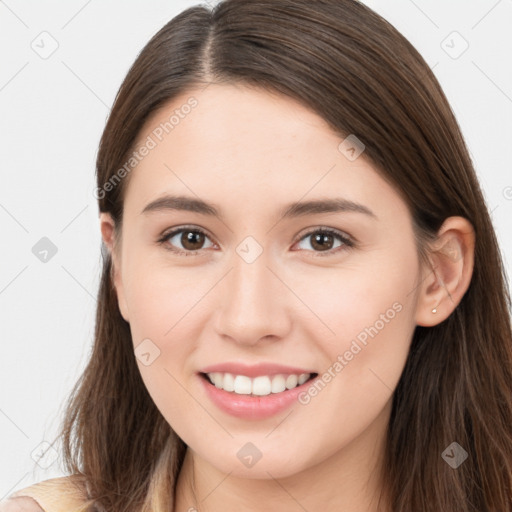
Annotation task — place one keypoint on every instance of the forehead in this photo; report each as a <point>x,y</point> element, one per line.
<point>247,145</point>
<point>231,117</point>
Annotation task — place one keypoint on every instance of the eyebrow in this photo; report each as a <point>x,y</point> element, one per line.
<point>297,209</point>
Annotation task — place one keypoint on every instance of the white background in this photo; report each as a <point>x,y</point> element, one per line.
<point>52,115</point>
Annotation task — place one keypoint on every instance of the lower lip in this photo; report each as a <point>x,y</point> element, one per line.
<point>252,407</point>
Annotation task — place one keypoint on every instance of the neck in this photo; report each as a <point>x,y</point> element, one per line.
<point>348,480</point>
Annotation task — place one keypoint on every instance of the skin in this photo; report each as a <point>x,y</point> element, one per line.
<point>20,504</point>
<point>250,153</point>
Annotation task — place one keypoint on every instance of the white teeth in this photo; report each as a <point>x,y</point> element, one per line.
<point>242,385</point>
<point>217,379</point>
<point>303,377</point>
<point>229,382</point>
<point>291,381</point>
<point>260,386</point>
<point>278,384</point>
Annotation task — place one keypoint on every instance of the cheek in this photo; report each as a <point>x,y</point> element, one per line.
<point>358,383</point>
<point>165,304</point>
<point>162,298</point>
<point>371,311</point>
<point>358,299</point>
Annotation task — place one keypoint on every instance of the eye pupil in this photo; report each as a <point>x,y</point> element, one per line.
<point>191,237</point>
<point>319,241</point>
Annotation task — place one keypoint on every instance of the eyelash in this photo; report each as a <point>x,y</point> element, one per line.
<point>347,241</point>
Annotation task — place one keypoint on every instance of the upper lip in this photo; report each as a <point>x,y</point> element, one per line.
<point>254,370</point>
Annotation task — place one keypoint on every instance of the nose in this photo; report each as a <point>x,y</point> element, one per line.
<point>254,303</point>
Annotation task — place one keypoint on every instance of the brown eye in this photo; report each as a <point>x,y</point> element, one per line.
<point>185,240</point>
<point>324,240</point>
<point>192,240</point>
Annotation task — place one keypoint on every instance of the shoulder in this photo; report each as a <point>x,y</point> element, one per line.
<point>53,495</point>
<point>20,504</point>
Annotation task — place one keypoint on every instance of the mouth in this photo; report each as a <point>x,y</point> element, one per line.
<point>257,398</point>
<point>258,386</point>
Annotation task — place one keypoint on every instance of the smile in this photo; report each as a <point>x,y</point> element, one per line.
<point>254,398</point>
<point>258,386</point>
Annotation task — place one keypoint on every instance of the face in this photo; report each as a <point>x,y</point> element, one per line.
<point>250,291</point>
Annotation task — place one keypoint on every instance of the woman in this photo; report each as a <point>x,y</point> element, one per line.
<point>303,304</point>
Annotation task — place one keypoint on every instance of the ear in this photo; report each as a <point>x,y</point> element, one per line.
<point>447,278</point>
<point>108,234</point>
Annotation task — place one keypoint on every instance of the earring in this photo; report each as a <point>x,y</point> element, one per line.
<point>434,310</point>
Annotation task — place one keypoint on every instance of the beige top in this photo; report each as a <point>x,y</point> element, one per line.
<point>55,495</point>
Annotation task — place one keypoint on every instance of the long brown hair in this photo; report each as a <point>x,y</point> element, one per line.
<point>356,71</point>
